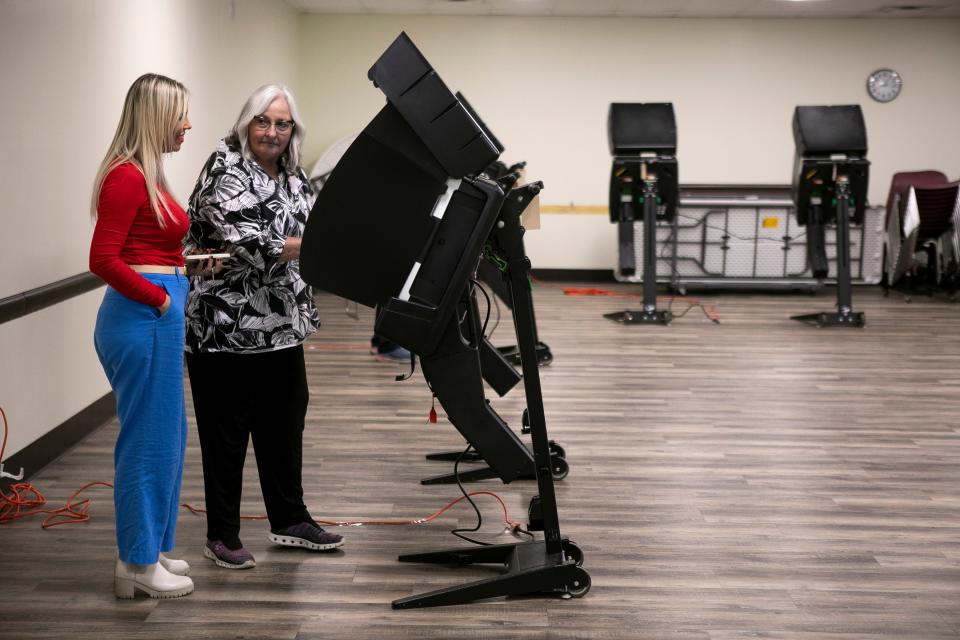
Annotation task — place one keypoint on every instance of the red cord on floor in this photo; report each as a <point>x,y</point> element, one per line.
<point>25,501</point>
<point>360,523</point>
<point>710,310</point>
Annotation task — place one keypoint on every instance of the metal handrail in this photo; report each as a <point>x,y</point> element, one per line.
<point>27,302</point>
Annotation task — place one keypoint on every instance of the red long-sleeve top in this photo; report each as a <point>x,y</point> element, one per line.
<point>127,232</point>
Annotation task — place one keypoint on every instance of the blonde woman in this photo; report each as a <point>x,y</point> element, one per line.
<point>139,336</point>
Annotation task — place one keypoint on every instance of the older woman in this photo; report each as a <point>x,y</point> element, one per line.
<point>245,328</point>
<point>136,250</point>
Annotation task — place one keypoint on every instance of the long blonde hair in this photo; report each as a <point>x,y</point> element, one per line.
<point>153,108</point>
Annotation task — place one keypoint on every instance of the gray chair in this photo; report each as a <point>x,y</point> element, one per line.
<point>921,233</point>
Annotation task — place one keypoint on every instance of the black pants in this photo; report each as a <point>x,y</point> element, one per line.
<point>238,396</point>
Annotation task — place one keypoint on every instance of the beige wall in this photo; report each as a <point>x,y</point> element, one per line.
<point>544,86</point>
<point>66,68</point>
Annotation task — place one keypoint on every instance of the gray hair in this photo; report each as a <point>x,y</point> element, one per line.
<point>256,104</point>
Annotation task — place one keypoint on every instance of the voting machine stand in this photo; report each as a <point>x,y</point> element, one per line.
<point>830,186</point>
<point>408,245</point>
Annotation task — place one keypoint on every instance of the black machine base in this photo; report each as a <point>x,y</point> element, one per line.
<point>473,456</point>
<point>452,456</point>
<point>530,570</point>
<point>640,317</point>
<point>512,354</point>
<point>559,469</point>
<point>831,319</point>
<point>471,475</point>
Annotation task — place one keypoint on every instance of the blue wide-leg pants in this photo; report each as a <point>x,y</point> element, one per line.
<point>142,355</point>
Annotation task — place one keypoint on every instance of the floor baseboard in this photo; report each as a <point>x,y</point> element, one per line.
<point>53,444</point>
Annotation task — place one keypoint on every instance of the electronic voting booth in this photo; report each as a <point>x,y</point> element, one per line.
<point>400,225</point>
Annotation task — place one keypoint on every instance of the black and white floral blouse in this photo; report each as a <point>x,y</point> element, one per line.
<point>256,303</point>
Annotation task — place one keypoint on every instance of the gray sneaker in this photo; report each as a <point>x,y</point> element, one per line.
<point>307,535</point>
<point>228,558</point>
<point>397,354</point>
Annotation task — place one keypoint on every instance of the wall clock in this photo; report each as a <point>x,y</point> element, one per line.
<point>884,85</point>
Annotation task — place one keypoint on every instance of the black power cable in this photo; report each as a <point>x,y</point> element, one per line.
<point>456,474</point>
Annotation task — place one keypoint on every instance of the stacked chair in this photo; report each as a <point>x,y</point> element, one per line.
<point>923,244</point>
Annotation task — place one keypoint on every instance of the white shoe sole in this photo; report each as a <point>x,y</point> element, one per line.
<point>126,589</point>
<point>248,564</point>
<point>291,541</point>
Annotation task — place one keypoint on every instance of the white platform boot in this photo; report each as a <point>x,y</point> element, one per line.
<point>152,579</point>
<point>174,566</point>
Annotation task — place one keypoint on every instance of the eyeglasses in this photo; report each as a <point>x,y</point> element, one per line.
<point>261,123</point>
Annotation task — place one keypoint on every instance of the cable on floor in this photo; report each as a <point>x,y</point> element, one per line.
<point>361,523</point>
<point>709,310</point>
<point>25,501</point>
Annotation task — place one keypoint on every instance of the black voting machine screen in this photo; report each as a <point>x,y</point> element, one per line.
<point>400,225</point>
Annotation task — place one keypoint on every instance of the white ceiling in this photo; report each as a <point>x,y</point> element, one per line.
<point>646,8</point>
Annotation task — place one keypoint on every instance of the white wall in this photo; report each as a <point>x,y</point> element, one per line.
<point>66,68</point>
<point>544,86</point>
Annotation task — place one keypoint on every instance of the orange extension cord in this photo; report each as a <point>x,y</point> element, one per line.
<point>709,310</point>
<point>25,501</point>
<point>24,498</point>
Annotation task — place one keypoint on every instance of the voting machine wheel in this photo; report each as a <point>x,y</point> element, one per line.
<point>578,584</point>
<point>573,552</point>
<point>559,468</point>
<point>557,450</point>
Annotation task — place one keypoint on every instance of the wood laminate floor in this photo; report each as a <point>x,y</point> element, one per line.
<point>753,479</point>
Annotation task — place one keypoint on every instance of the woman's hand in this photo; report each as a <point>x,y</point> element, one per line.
<point>291,250</point>
<point>207,267</point>
<point>164,307</point>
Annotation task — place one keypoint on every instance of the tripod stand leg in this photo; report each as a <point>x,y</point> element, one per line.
<point>628,263</point>
<point>649,314</point>
<point>451,456</point>
<point>488,554</point>
<point>473,475</point>
<point>530,569</point>
<point>560,579</point>
<point>845,316</point>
